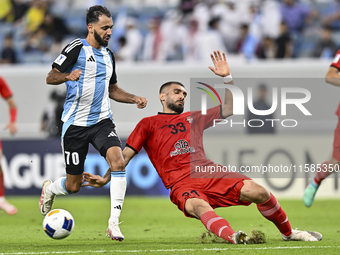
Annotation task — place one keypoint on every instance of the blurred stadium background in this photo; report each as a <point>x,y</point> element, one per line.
<point>280,43</point>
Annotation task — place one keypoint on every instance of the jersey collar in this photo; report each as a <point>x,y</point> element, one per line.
<point>164,113</point>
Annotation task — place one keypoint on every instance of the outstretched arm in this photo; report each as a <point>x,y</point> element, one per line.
<point>222,69</point>
<point>119,95</point>
<point>12,126</point>
<point>98,181</point>
<point>55,77</point>
<point>333,76</point>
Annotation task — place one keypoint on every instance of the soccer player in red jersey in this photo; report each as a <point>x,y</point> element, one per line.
<point>174,143</point>
<point>6,93</point>
<point>332,165</point>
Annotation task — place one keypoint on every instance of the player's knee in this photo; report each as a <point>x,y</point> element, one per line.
<point>196,207</point>
<point>262,194</point>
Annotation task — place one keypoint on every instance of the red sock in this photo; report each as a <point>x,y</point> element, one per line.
<point>217,225</point>
<point>322,173</point>
<point>272,211</point>
<point>2,185</point>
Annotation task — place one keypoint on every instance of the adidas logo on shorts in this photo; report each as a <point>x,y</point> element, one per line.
<point>112,134</point>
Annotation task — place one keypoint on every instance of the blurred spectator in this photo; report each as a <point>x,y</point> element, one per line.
<point>123,53</point>
<point>173,34</point>
<point>247,43</point>
<point>326,47</point>
<point>49,35</point>
<point>296,16</point>
<point>8,54</point>
<point>35,15</point>
<point>271,18</point>
<point>19,9</point>
<point>202,14</point>
<point>153,42</point>
<point>266,49</point>
<point>283,42</point>
<point>187,6</point>
<point>210,41</point>
<point>183,33</point>
<point>134,38</point>
<point>261,104</point>
<point>191,41</point>
<point>5,10</point>
<point>231,20</point>
<point>254,21</point>
<point>331,17</point>
<point>54,27</point>
<point>38,42</point>
<point>51,120</point>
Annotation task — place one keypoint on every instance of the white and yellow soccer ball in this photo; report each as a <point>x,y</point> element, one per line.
<point>58,224</point>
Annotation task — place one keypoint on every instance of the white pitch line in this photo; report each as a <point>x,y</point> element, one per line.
<point>174,250</point>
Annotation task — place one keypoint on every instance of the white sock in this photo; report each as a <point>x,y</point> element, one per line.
<point>2,199</point>
<point>117,194</point>
<point>57,187</point>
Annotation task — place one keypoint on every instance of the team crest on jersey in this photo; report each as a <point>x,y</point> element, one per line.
<point>189,119</point>
<point>107,59</point>
<point>182,147</point>
<point>60,59</point>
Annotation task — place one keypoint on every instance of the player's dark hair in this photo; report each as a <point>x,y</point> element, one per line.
<point>168,84</point>
<point>95,12</point>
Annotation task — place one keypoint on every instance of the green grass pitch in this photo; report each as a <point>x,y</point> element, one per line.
<point>156,226</point>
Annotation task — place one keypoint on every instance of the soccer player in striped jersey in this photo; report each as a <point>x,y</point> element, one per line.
<point>174,143</point>
<point>332,165</point>
<point>6,94</point>
<point>87,67</point>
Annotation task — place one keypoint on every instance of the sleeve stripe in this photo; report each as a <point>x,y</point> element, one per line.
<point>73,45</point>
<point>127,145</point>
<point>335,67</point>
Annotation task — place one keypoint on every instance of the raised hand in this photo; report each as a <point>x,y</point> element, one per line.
<point>221,65</point>
<point>12,127</point>
<point>141,102</point>
<point>74,75</point>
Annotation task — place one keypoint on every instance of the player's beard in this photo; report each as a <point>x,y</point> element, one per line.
<point>99,39</point>
<point>176,108</point>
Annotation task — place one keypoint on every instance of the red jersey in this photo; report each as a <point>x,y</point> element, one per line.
<point>5,91</point>
<point>173,142</point>
<point>336,64</point>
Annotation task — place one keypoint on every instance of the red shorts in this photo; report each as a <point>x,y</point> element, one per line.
<point>218,192</point>
<point>336,143</point>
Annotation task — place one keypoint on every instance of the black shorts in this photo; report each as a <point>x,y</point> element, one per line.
<point>76,142</point>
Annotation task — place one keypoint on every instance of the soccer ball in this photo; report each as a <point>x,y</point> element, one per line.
<point>58,224</point>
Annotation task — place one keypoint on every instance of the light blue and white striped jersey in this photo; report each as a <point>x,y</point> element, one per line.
<point>87,100</point>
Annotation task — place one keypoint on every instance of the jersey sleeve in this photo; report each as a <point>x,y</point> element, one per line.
<point>68,56</point>
<point>206,121</point>
<point>138,136</point>
<point>113,79</point>
<point>5,91</point>
<point>336,60</point>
